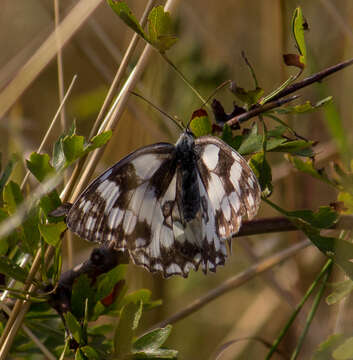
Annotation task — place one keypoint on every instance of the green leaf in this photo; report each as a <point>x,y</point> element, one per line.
<point>341,290</point>
<point>227,137</point>
<point>98,141</point>
<point>79,355</point>
<point>143,295</point>
<point>160,29</point>
<point>74,327</point>
<point>39,165</point>
<point>251,144</point>
<point>347,199</point>
<point>31,231</point>
<point>307,107</point>
<point>152,340</point>
<point>124,333</point>
<point>50,202</point>
<point>160,354</point>
<point>296,147</point>
<point>307,167</point>
<point>73,147</point>
<point>125,14</point>
<point>323,218</point>
<point>200,124</point>
<point>344,351</point>
<point>262,170</point>
<point>12,197</point>
<point>107,281</point>
<point>325,349</point>
<point>12,270</point>
<point>7,172</point>
<point>52,232</point>
<point>298,29</point>
<point>90,353</point>
<point>82,290</point>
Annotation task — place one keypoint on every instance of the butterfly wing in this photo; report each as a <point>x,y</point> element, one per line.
<point>107,211</point>
<point>134,206</point>
<point>229,191</point>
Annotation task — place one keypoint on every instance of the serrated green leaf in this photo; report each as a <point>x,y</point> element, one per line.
<point>12,197</point>
<point>344,351</point>
<point>298,29</point>
<point>39,165</point>
<point>325,349</point>
<point>52,232</point>
<point>307,167</point>
<point>156,354</point>
<point>200,124</point>
<point>12,270</point>
<point>73,147</point>
<point>58,157</point>
<point>98,141</point>
<point>107,281</point>
<point>125,14</point>
<point>262,170</point>
<point>152,340</point>
<point>124,333</point>
<point>160,29</point>
<point>8,170</point>
<point>73,326</point>
<point>341,290</point>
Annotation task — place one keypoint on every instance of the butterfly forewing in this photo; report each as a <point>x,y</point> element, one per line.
<point>142,204</point>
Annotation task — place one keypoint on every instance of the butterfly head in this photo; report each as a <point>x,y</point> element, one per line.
<point>186,142</point>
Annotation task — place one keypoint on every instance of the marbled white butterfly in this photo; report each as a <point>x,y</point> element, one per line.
<point>171,206</point>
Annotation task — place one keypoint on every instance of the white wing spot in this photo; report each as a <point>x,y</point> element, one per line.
<point>215,191</point>
<point>158,267</point>
<point>166,237</point>
<point>173,269</point>
<point>115,217</point>
<point>86,206</point>
<point>226,208</point>
<point>210,156</point>
<point>235,175</point>
<point>234,201</point>
<point>90,223</point>
<point>146,165</point>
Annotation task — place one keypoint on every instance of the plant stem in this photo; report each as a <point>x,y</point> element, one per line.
<point>323,271</point>
<point>312,312</point>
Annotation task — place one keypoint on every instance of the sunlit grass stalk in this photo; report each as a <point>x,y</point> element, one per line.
<point>289,323</point>
<point>108,99</point>
<point>312,312</point>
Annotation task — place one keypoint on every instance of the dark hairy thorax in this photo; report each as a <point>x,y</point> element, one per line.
<point>186,159</point>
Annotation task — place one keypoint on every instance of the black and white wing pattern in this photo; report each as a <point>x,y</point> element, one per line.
<point>172,207</point>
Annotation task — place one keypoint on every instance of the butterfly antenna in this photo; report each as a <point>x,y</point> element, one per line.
<point>176,122</point>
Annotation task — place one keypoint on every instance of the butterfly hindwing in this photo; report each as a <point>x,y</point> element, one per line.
<point>232,188</point>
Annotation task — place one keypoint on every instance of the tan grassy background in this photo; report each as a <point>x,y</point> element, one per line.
<point>211,38</point>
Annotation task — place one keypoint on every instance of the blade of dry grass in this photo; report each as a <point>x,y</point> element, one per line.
<point>45,53</point>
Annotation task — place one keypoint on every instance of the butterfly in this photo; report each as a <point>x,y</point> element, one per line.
<point>172,207</point>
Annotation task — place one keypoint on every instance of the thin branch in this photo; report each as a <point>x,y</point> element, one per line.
<point>259,110</point>
<point>277,99</point>
<point>234,282</point>
<point>281,224</point>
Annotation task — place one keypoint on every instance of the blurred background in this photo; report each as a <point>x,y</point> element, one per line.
<point>211,38</point>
